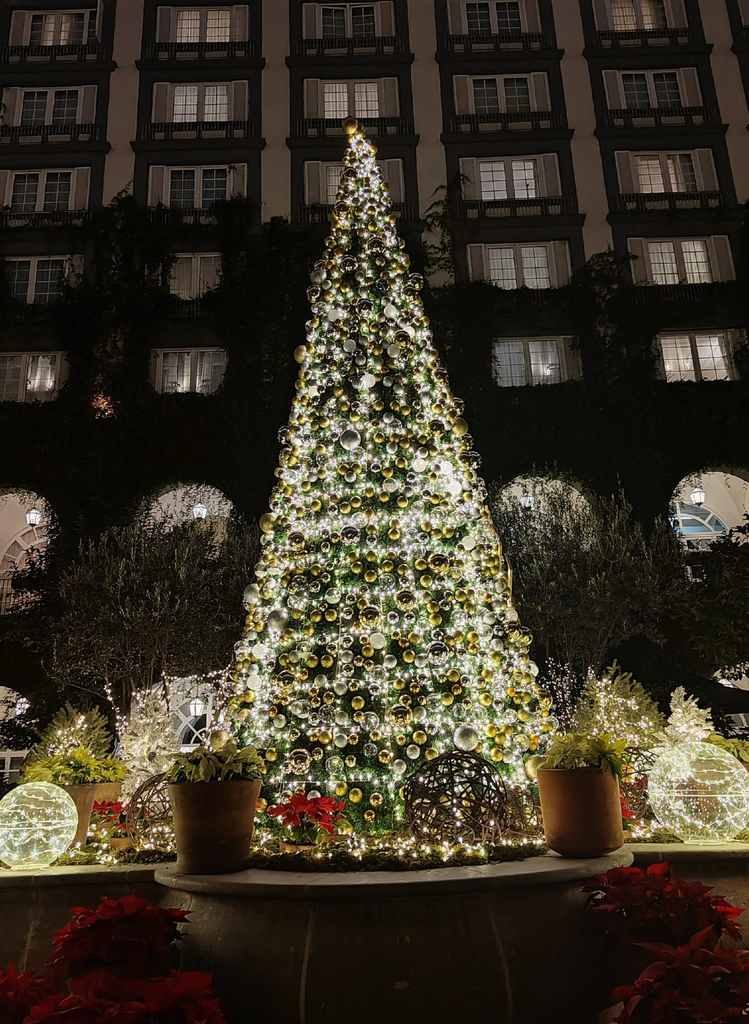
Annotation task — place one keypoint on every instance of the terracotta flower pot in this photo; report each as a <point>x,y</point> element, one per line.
<point>581,811</point>
<point>120,843</point>
<point>108,792</point>
<point>83,797</point>
<point>213,823</point>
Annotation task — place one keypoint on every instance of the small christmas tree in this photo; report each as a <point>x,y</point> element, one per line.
<point>148,743</point>
<point>380,630</point>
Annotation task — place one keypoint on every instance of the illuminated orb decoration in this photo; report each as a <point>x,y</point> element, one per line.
<point>457,797</point>
<point>38,822</point>
<point>700,793</point>
<point>150,819</point>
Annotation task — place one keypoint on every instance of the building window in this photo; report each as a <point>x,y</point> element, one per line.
<point>65,106</point>
<point>64,29</point>
<point>503,179</point>
<point>484,19</point>
<point>188,26</point>
<point>29,376</point>
<point>186,184</point>
<point>347,21</point>
<point>57,191</point>
<point>218,26</point>
<point>195,274</point>
<point>334,23</point>
<point>645,89</point>
<point>530,361</point>
<point>363,24</point>
<point>508,18</point>
<point>215,183</point>
<point>54,106</point>
<point>675,261</point>
<point>478,19</point>
<point>510,93</point>
<point>366,99</point>
<point>485,96</point>
<point>185,103</point>
<point>636,15</point>
<point>333,174</point>
<point>34,107</point>
<point>519,266</point>
<point>198,371</point>
<point>216,103</point>
<point>36,280</point>
<point>182,189</point>
<point>696,357</point>
<point>335,100</point>
<point>47,191</point>
<point>25,190</point>
<point>666,172</point>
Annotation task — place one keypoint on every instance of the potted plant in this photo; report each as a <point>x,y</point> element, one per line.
<point>78,772</point>
<point>579,789</point>
<point>306,816</point>
<point>214,791</point>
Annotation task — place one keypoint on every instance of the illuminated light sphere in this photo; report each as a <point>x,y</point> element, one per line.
<point>466,737</point>
<point>38,822</point>
<point>700,793</point>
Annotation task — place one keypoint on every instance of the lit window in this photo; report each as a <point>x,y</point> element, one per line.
<point>703,356</point>
<point>524,179</point>
<point>335,101</point>
<point>50,275</point>
<point>18,278</point>
<point>57,29</point>
<point>218,26</point>
<point>500,179</point>
<point>623,16</point>
<point>25,191</point>
<point>34,107</point>
<point>663,262</point>
<point>334,22</point>
<point>517,95</point>
<point>535,266</point>
<point>681,173</point>
<point>667,92</point>
<point>366,99</point>
<point>697,525</point>
<point>696,262</point>
<point>485,96</point>
<point>502,272</point>
<point>41,377</point>
<point>192,370</point>
<point>519,363</point>
<point>57,190</point>
<point>654,14</point>
<point>636,94</point>
<point>65,106</point>
<point>493,180</point>
<point>185,103</point>
<point>333,174</point>
<point>216,105</point>
<point>650,174</point>
<point>509,364</point>
<point>182,189</point>
<point>363,22</point>
<point>188,26</point>
<point>478,19</point>
<point>662,172</point>
<point>215,180</point>
<point>519,266</point>
<point>508,18</point>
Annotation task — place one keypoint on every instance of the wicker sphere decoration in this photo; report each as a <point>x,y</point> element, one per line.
<point>150,819</point>
<point>457,797</point>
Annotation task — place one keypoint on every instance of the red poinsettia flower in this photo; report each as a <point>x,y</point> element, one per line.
<point>292,811</point>
<point>185,997</point>
<point>19,991</point>
<point>301,811</point>
<point>108,808</point>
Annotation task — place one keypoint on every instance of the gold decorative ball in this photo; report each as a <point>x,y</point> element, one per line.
<point>271,754</point>
<point>351,126</point>
<point>341,788</point>
<point>376,799</point>
<point>300,353</point>
<point>262,805</point>
<point>532,765</point>
<point>266,523</point>
<point>355,795</point>
<point>369,816</point>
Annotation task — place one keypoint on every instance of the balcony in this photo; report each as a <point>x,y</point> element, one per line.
<point>503,43</point>
<point>503,123</point>
<point>15,219</point>
<point>646,39</point>
<point>337,46</point>
<point>321,213</point>
<point>379,127</point>
<point>658,117</point>
<point>201,52</point>
<point>179,217</point>
<point>494,209</point>
<point>711,305</point>
<point>666,202</point>
<point>77,53</point>
<point>43,134</point>
<point>201,131</point>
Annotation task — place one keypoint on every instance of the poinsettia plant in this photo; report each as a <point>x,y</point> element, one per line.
<point>20,991</point>
<point>305,816</point>
<point>109,817</point>
<point>650,904</point>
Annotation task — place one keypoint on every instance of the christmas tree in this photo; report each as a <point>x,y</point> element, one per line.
<point>380,630</point>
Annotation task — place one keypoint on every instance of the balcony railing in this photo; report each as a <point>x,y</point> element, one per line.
<point>644,38</point>
<point>658,117</point>
<point>167,216</point>
<point>495,124</point>
<point>718,300</point>
<point>320,213</point>
<point>10,219</point>
<point>480,44</point>
<point>320,127</point>
<point>36,134</point>
<point>169,131</point>
<point>12,601</point>
<point>229,50</point>
<point>492,209</point>
<point>666,202</point>
<point>335,46</point>
<point>77,53</point>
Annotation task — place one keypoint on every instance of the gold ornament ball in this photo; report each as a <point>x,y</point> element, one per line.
<point>262,805</point>
<point>271,754</point>
<point>341,789</point>
<point>369,816</point>
<point>351,126</point>
<point>300,353</point>
<point>266,523</point>
<point>532,765</point>
<point>355,795</point>
<point>376,799</point>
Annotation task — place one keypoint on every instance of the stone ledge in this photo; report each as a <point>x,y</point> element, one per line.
<point>546,870</point>
<point>89,874</point>
<point>692,853</point>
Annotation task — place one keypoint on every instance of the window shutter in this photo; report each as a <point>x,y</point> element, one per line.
<point>240,28</point>
<point>181,277</point>
<point>532,19</point>
<point>476,262</point>
<point>210,371</point>
<point>88,105</point>
<point>81,186</point>
<point>387,89</point>
<point>690,87</point>
<point>462,85</point>
<point>309,21</point>
<point>393,174</point>
<point>75,267</point>
<point>11,372</point>
<point>238,180</point>
<point>675,14</point>
<point>612,85</point>
<point>470,183</point>
<point>707,179</point>
<point>98,22</point>
<point>11,107</point>
<point>601,12</point>
<point>559,264</point>
<point>165,25</point>
<point>625,171</point>
<point>4,188</point>
<point>162,109</point>
<point>744,12</point>
<point>569,356</point>
<point>157,183</point>
<point>312,183</point>
<point>455,17</point>
<point>639,263</point>
<point>18,30</point>
<point>312,97</point>
<point>387,18</point>
<point>721,258</point>
<point>540,91</point>
<point>550,171</point>
<point>239,107</point>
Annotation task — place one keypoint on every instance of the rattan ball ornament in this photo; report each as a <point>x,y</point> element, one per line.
<point>457,797</point>
<point>150,819</point>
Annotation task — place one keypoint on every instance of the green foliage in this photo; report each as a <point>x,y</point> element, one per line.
<point>739,748</point>
<point>225,764</point>
<point>74,729</point>
<point>75,768</point>
<point>582,750</point>
<point>616,700</point>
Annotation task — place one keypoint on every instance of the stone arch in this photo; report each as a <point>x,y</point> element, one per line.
<point>27,523</point>
<point>196,502</point>
<point>708,504</point>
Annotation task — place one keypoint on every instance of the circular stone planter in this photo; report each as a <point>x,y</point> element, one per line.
<point>505,943</point>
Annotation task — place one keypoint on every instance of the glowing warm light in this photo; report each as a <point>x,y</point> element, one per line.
<point>38,822</point>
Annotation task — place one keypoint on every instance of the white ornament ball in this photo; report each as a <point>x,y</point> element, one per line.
<point>350,439</point>
<point>251,595</point>
<point>38,822</point>
<point>700,793</point>
<point>277,619</point>
<point>466,738</point>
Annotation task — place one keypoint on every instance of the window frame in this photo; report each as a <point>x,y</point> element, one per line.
<point>89,16</point>
<point>663,156</point>
<point>348,17</point>
<point>34,262</point>
<point>502,93</point>
<point>520,275</point>
<point>681,263</point>
<point>203,13</point>
<point>41,188</point>
<point>649,75</point>
<point>199,170</point>
<point>564,352</point>
<point>351,86</point>
<point>639,26</point>
<point>50,103</point>
<point>196,258</point>
<point>157,364</point>
<point>494,21</point>
<point>508,162</point>
<point>726,340</point>
<point>24,394</point>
